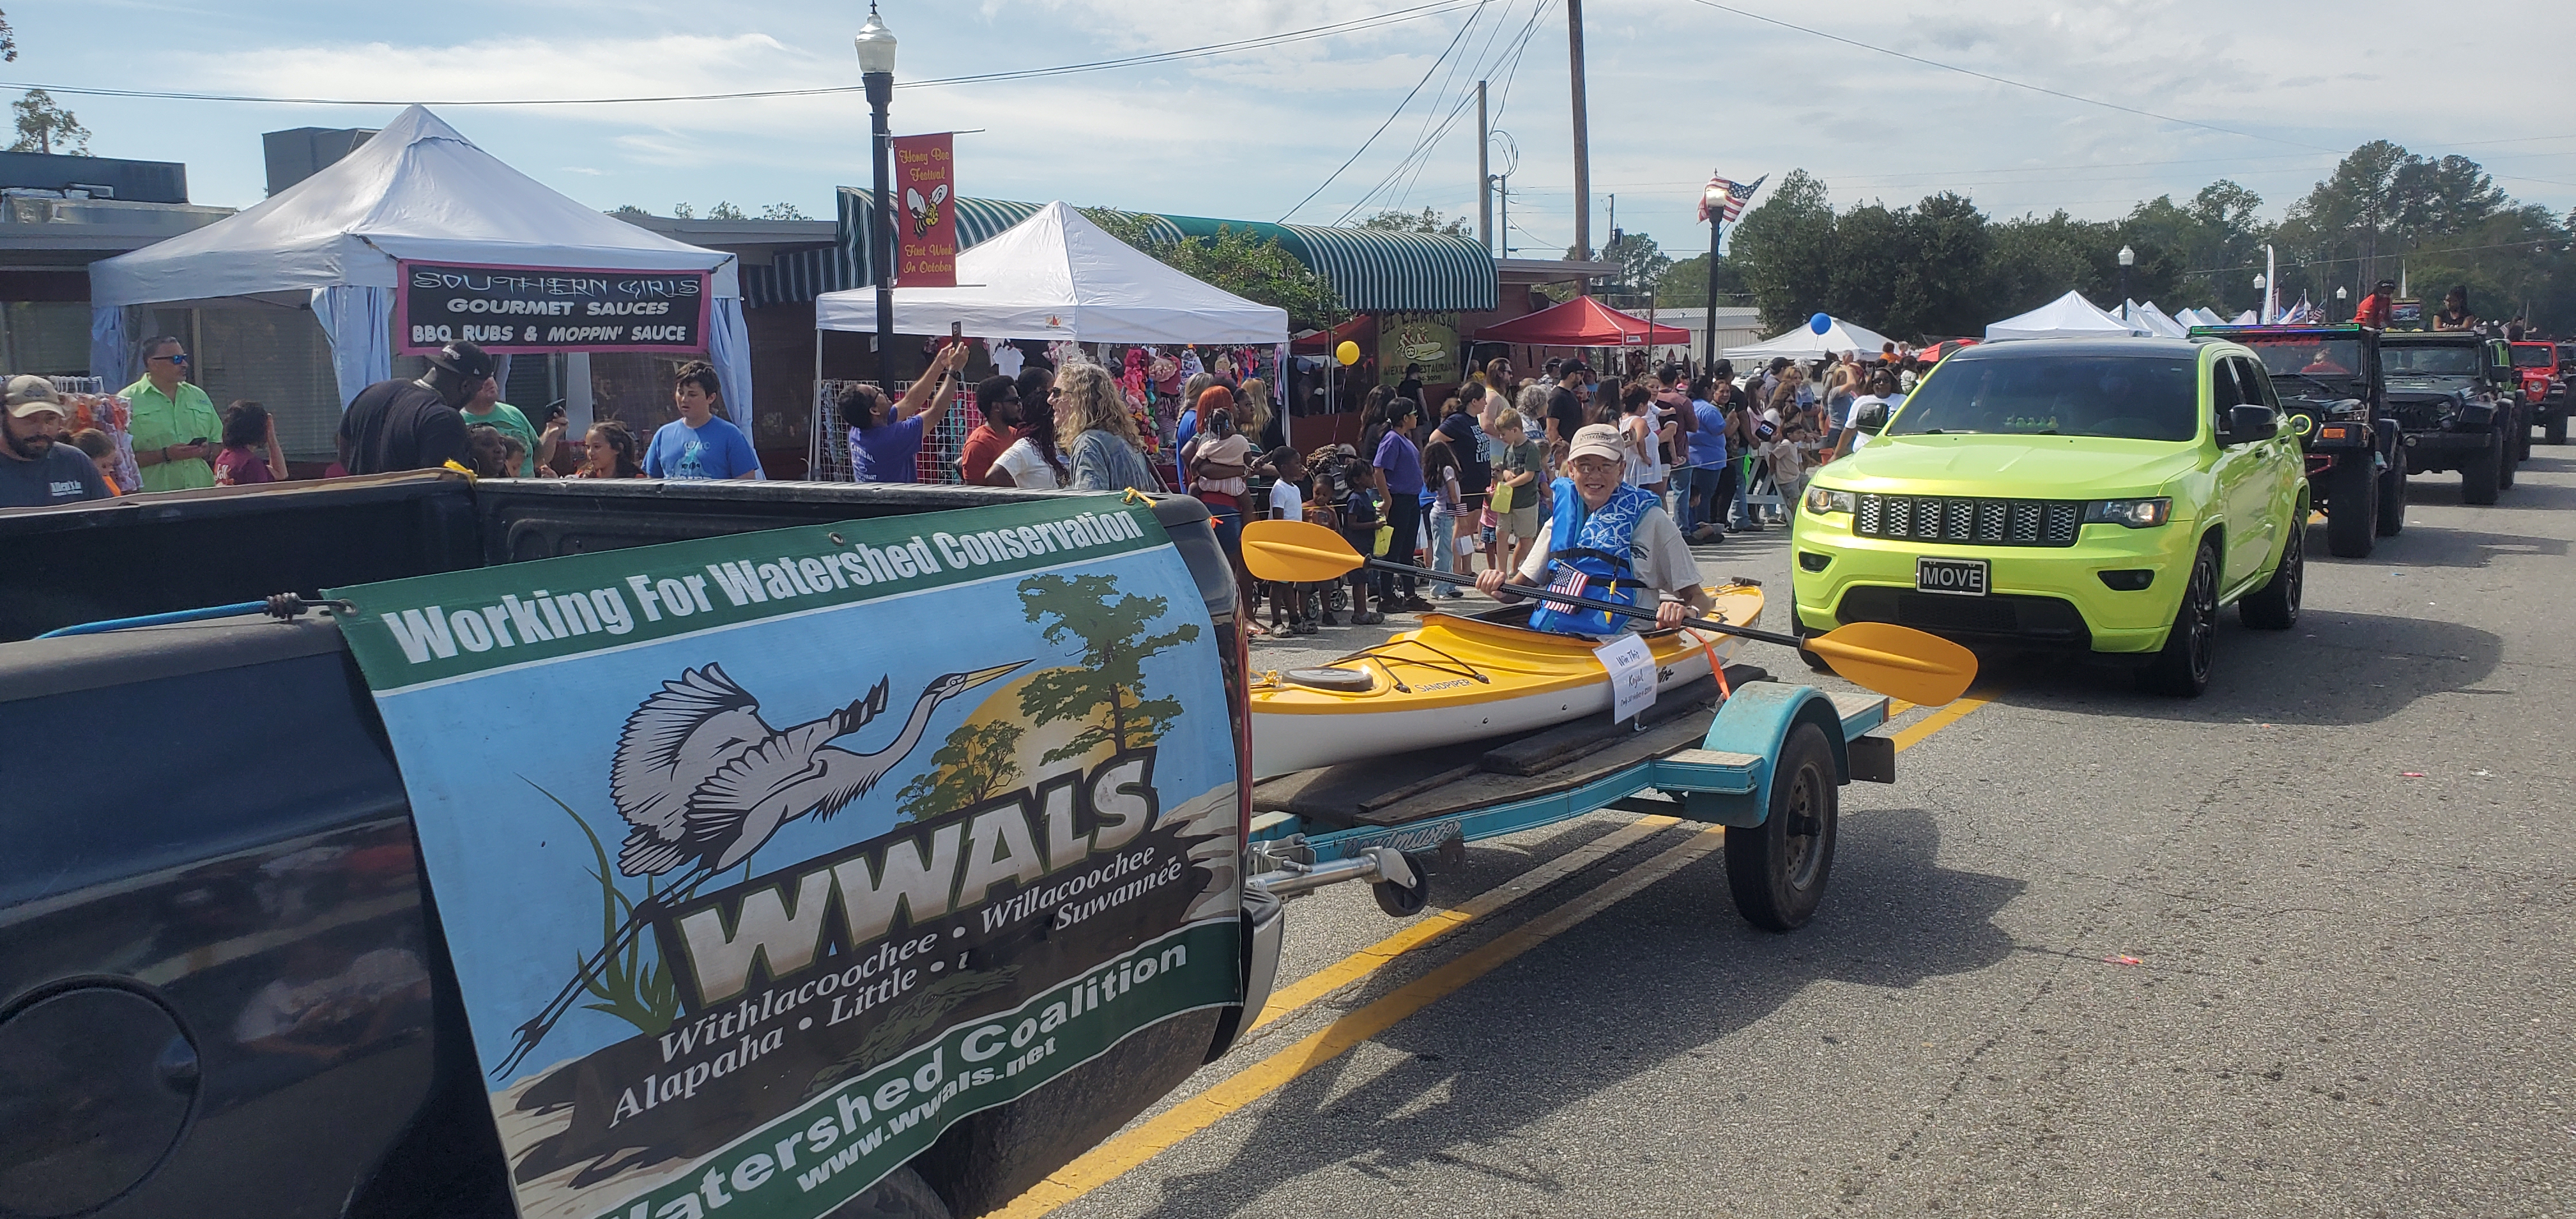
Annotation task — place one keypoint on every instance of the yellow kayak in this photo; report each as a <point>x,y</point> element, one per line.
<point>1461,679</point>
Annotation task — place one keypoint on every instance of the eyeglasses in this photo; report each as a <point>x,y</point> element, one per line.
<point>181,358</point>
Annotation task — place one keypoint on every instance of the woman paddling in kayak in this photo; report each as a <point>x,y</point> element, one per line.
<point>1607,540</point>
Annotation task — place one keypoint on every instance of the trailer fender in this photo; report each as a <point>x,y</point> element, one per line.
<point>1755,722</point>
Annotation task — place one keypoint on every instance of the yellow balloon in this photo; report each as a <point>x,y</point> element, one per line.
<point>1348,353</point>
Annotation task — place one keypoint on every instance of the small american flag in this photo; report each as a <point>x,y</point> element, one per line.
<point>1570,584</point>
<point>1737,195</point>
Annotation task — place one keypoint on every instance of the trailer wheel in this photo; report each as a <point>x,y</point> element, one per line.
<point>1777,869</point>
<point>1404,901</point>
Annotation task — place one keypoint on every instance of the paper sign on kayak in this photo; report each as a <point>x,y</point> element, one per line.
<point>1632,676</point>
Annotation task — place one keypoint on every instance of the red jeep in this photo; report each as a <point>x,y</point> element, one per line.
<point>2544,386</point>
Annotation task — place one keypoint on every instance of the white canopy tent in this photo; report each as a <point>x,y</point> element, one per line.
<point>2198,317</point>
<point>417,190</point>
<point>1056,275</point>
<point>2154,320</point>
<point>1803,343</point>
<point>2068,317</point>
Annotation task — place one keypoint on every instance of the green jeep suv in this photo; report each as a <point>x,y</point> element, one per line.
<point>2103,496</point>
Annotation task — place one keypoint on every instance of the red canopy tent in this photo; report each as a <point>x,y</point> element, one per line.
<point>1582,322</point>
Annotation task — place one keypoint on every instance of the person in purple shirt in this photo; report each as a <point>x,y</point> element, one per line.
<point>1399,471</point>
<point>886,435</point>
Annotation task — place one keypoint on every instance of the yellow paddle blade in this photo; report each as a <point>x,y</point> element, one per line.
<point>1898,661</point>
<point>1295,552</point>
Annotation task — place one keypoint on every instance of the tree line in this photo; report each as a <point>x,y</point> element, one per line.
<point>1940,267</point>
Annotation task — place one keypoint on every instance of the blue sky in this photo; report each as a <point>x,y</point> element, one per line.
<point>1677,87</point>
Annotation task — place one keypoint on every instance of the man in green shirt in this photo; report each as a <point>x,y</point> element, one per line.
<point>175,428</point>
<point>486,409</point>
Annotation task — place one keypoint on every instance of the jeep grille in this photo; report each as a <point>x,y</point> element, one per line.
<point>1969,521</point>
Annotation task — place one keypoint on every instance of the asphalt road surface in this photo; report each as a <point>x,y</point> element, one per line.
<point>2300,947</point>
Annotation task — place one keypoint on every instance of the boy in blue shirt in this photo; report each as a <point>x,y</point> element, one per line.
<point>698,444</point>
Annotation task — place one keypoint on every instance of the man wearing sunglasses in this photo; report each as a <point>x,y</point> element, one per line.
<point>175,427</point>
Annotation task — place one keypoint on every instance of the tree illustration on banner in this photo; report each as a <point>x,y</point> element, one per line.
<point>1108,689</point>
<point>979,761</point>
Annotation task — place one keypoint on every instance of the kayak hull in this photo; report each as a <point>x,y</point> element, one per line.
<point>1456,679</point>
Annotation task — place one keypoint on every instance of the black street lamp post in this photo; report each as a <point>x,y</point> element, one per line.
<point>876,71</point>
<point>1715,202</point>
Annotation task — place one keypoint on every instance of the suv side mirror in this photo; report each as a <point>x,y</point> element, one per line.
<point>2247,424</point>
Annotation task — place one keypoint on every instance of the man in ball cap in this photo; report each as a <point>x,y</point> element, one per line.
<point>34,471</point>
<point>414,425</point>
<point>2374,308</point>
<point>1608,541</point>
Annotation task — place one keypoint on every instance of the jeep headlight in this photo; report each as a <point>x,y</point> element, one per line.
<point>2134,513</point>
<point>1821,500</point>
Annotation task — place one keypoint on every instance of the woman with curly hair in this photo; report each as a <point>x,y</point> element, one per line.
<point>1090,410</point>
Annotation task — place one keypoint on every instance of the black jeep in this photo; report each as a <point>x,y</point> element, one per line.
<point>2330,386</point>
<point>2452,393</point>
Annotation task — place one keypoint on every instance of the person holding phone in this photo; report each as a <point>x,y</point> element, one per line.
<point>172,421</point>
<point>886,434</point>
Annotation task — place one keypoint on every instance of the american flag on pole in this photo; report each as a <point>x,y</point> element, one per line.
<point>1571,585</point>
<point>1737,195</point>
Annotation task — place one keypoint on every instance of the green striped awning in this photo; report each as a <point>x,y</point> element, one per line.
<point>1372,270</point>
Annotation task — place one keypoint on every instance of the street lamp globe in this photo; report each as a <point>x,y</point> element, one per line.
<point>2258,283</point>
<point>876,46</point>
<point>1715,197</point>
<point>2340,294</point>
<point>2128,257</point>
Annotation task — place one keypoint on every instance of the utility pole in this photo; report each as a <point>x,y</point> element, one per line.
<point>1582,140</point>
<point>1503,248</point>
<point>1484,174</point>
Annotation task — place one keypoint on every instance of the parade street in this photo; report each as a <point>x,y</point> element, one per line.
<point>2298,947</point>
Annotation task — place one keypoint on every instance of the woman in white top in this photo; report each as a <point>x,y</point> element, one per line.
<point>1032,462</point>
<point>1645,456</point>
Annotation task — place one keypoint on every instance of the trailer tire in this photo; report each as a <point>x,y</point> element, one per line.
<point>1404,901</point>
<point>1777,870</point>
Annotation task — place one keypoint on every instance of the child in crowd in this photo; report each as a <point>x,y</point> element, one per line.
<point>514,454</point>
<point>608,450</point>
<point>250,454</point>
<point>1360,519</point>
<point>101,450</point>
<point>1299,602</point>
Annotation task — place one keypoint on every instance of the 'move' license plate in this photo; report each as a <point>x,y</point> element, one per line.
<point>1958,577</point>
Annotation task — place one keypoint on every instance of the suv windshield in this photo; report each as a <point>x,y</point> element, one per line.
<point>2309,357</point>
<point>2136,397</point>
<point>2458,360</point>
<point>2527,355</point>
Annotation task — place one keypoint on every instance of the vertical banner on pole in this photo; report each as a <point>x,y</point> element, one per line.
<point>925,181</point>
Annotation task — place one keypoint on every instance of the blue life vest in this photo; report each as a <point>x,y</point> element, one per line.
<point>1601,546</point>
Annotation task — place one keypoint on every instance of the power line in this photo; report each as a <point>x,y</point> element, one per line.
<point>1454,39</point>
<point>1353,25</point>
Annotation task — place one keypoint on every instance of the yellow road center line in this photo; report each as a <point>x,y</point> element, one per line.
<point>1166,1129</point>
<point>1125,1153</point>
<point>1935,722</point>
<point>1432,926</point>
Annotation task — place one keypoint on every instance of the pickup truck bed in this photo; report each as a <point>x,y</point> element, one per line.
<point>205,819</point>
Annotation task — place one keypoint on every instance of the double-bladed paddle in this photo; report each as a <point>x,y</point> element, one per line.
<point>1896,661</point>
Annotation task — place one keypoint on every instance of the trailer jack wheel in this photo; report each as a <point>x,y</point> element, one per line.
<point>1406,891</point>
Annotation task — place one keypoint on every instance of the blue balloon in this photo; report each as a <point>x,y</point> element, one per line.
<point>1820,323</point>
